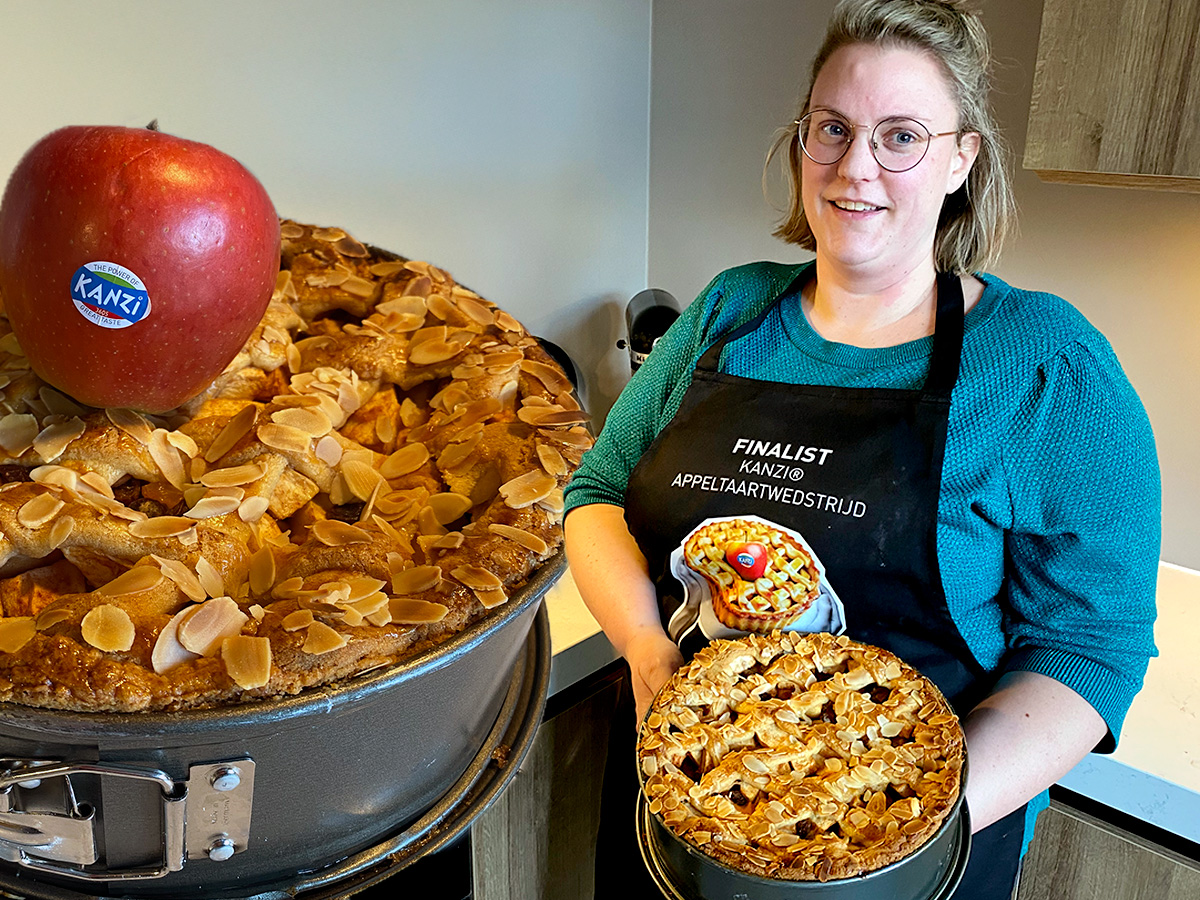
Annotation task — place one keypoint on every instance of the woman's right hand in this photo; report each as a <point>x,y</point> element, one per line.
<point>653,658</point>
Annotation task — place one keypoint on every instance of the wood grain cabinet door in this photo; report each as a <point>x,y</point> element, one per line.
<point>1076,857</point>
<point>1116,94</point>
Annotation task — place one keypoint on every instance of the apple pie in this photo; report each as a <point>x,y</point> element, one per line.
<point>801,756</point>
<point>760,577</point>
<point>380,466</point>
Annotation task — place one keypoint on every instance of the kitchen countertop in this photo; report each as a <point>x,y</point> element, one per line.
<point>1155,773</point>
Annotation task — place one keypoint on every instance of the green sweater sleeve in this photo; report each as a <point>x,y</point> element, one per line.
<point>1083,549</point>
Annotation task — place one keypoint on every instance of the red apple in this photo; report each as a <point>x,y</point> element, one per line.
<point>749,559</point>
<point>133,264</point>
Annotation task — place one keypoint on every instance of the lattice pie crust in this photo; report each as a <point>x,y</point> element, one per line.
<point>381,465</point>
<point>801,757</point>
<point>776,599</point>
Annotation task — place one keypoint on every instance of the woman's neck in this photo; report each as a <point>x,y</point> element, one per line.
<point>871,310</point>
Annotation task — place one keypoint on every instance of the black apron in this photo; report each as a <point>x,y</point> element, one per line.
<point>853,474</point>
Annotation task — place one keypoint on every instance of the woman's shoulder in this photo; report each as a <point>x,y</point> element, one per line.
<point>1030,326</point>
<point>738,294</point>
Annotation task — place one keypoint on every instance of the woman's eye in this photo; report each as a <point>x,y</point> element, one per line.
<point>833,129</point>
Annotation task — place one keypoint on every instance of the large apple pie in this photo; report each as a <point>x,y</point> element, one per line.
<point>380,466</point>
<point>801,757</point>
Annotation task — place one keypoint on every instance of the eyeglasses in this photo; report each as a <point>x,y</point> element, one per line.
<point>898,143</point>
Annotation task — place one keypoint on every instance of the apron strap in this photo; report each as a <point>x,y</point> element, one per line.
<point>947,336</point>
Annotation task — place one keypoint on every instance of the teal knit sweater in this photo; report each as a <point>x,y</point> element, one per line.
<point>1049,514</point>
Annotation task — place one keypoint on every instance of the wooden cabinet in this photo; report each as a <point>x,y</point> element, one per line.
<point>1077,857</point>
<point>1116,94</point>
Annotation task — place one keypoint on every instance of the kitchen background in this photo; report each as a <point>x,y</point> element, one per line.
<point>558,157</point>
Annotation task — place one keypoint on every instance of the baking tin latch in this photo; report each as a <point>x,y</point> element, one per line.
<point>44,826</point>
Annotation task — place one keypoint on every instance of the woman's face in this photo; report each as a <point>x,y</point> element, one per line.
<point>867,221</point>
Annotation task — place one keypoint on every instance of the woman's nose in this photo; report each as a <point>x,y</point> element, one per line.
<point>859,161</point>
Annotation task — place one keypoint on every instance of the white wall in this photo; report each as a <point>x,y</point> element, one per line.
<point>725,73</point>
<point>505,141</point>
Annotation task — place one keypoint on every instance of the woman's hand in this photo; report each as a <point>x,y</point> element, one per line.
<point>653,658</point>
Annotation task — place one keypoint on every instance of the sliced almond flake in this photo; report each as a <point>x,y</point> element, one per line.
<point>330,279</point>
<point>233,475</point>
<point>407,611</point>
<point>553,502</point>
<point>295,361</point>
<point>290,231</point>
<point>339,493</point>
<point>237,493</point>
<point>286,439</point>
<point>348,397</point>
<point>307,419</point>
<point>198,467</point>
<point>17,432</point>
<point>362,480</point>
<point>449,541</point>
<point>474,309</point>
<point>212,506</point>
<point>161,527</point>
<point>527,489</point>
<point>551,460</point>
<point>252,508</point>
<point>479,410</point>
<point>428,524</point>
<point>350,616</point>
<point>404,461</point>
<point>502,359</point>
<point>329,234</point>
<point>235,429</point>
<point>410,413</point>
<point>181,441</point>
<point>168,652</point>
<point>456,454</point>
<point>97,483</point>
<point>491,599</point>
<point>167,458</point>
<point>209,577</point>
<point>9,344</point>
<point>108,628</point>
<point>50,617</point>
<point>507,322</point>
<point>36,512</point>
<point>59,404</point>
<point>322,639</point>
<point>189,538</point>
<point>557,418</point>
<point>368,605</point>
<point>52,440</point>
<point>567,401</point>
<point>257,613</point>
<point>16,632</point>
<point>526,539</point>
<point>466,373</point>
<point>214,620</point>
<point>448,507</point>
<point>381,618</point>
<point>541,403</point>
<point>247,660</point>
<point>262,572</point>
<point>182,576</point>
<point>194,493</point>
<point>294,621</point>
<point>429,353</point>
<point>359,287</point>
<point>62,529</point>
<point>552,377</point>
<point>336,534</point>
<point>476,578</point>
<point>440,306</point>
<point>416,580</point>
<point>60,476</point>
<point>328,450</point>
<point>361,586</point>
<point>386,268</point>
<point>385,429</point>
<point>288,588</point>
<point>390,532</point>
<point>572,437</point>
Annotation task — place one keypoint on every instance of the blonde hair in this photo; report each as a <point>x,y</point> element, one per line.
<point>978,217</point>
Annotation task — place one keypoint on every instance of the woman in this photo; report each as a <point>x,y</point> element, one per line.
<point>981,484</point>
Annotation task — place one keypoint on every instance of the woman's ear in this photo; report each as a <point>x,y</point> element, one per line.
<point>964,157</point>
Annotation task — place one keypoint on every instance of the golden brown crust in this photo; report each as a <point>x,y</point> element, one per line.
<point>801,757</point>
<point>380,466</point>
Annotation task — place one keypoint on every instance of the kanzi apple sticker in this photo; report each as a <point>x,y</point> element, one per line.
<point>748,559</point>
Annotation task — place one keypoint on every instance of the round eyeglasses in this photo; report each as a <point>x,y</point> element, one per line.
<point>897,143</point>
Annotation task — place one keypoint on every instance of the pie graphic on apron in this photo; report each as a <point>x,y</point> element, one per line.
<point>746,574</point>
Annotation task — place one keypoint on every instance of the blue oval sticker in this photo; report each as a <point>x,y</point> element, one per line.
<point>109,295</point>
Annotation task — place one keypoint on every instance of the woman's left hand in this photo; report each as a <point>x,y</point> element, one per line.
<point>1029,732</point>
